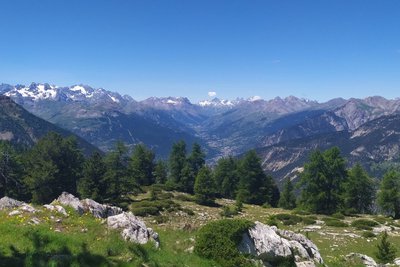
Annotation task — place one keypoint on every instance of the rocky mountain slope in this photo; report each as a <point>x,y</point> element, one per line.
<point>23,128</point>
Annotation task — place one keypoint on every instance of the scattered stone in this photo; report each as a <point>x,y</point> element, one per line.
<point>35,221</point>
<point>27,208</point>
<point>381,229</point>
<point>9,203</point>
<point>70,200</point>
<point>397,261</point>
<point>366,260</point>
<point>190,249</point>
<point>14,212</point>
<point>57,208</point>
<point>133,229</point>
<point>269,243</point>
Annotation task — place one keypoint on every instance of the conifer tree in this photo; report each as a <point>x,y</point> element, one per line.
<point>10,172</point>
<point>141,165</point>
<point>254,186</point>
<point>389,194</point>
<point>116,176</point>
<point>204,187</point>
<point>54,165</point>
<point>177,161</point>
<point>226,177</point>
<point>359,191</point>
<point>322,181</point>
<point>160,172</point>
<point>196,158</point>
<point>287,199</point>
<point>386,251</point>
<point>91,184</point>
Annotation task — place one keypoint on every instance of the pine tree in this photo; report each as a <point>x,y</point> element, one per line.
<point>54,165</point>
<point>91,184</point>
<point>177,161</point>
<point>322,181</point>
<point>359,192</point>
<point>116,176</point>
<point>389,194</point>
<point>386,252</point>
<point>204,187</point>
<point>254,186</point>
<point>287,199</point>
<point>226,177</point>
<point>196,158</point>
<point>160,172</point>
<point>10,172</point>
<point>141,165</point>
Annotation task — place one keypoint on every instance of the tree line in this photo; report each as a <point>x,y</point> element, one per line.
<point>55,164</point>
<point>326,186</point>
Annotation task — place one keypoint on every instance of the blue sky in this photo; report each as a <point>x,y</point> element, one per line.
<point>314,49</point>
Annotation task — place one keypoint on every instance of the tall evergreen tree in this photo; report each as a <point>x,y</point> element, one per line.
<point>177,161</point>
<point>196,158</point>
<point>359,191</point>
<point>141,165</point>
<point>91,185</point>
<point>54,165</point>
<point>287,199</point>
<point>254,186</point>
<point>160,172</point>
<point>226,177</point>
<point>389,194</point>
<point>10,172</point>
<point>116,176</point>
<point>322,181</point>
<point>204,187</point>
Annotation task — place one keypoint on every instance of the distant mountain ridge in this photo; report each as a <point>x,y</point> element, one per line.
<point>222,127</point>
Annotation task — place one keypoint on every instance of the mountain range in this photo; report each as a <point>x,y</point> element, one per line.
<point>282,130</point>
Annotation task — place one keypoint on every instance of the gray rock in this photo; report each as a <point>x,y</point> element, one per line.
<point>396,261</point>
<point>133,229</point>
<point>57,208</point>
<point>14,212</point>
<point>366,260</point>
<point>27,208</point>
<point>70,200</point>
<point>99,210</point>
<point>9,203</point>
<point>269,243</point>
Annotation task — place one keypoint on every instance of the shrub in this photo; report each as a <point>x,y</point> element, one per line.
<point>161,219</point>
<point>333,222</point>
<point>288,219</point>
<point>229,211</point>
<point>145,211</point>
<point>147,207</point>
<point>218,240</point>
<point>308,220</point>
<point>338,216</point>
<point>188,211</point>
<point>364,224</point>
<point>301,212</point>
<point>183,197</point>
<point>272,221</point>
<point>368,234</point>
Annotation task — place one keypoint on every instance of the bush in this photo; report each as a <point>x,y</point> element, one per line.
<point>218,240</point>
<point>145,211</point>
<point>161,219</point>
<point>301,212</point>
<point>364,224</point>
<point>229,211</point>
<point>147,207</point>
<point>183,197</point>
<point>308,220</point>
<point>288,219</point>
<point>338,216</point>
<point>188,211</point>
<point>272,221</point>
<point>333,222</point>
<point>386,251</point>
<point>368,234</point>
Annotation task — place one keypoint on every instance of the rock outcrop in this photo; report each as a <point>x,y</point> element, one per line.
<point>270,244</point>
<point>133,229</point>
<point>9,203</point>
<point>366,260</point>
<point>87,205</point>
